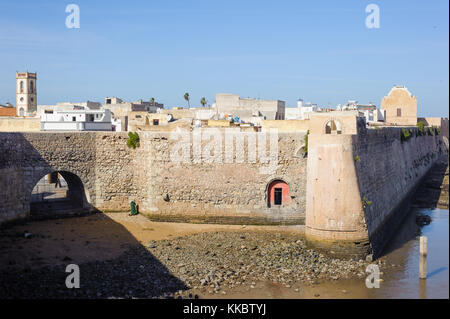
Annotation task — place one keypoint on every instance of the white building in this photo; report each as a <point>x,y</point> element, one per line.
<point>369,111</point>
<point>120,108</point>
<point>375,115</point>
<point>302,111</point>
<point>77,120</point>
<point>67,106</point>
<point>307,109</point>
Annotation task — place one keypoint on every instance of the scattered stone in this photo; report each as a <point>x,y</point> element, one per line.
<point>157,270</point>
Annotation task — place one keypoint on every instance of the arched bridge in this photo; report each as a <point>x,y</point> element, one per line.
<point>82,159</point>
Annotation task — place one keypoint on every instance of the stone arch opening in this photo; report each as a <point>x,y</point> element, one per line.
<point>58,193</point>
<point>278,194</point>
<point>333,127</point>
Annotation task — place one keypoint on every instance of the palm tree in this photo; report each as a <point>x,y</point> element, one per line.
<point>152,100</point>
<point>203,101</point>
<point>186,97</point>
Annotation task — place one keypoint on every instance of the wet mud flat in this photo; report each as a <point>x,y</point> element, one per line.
<point>138,261</point>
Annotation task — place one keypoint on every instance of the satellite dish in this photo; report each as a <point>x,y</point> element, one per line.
<point>169,117</point>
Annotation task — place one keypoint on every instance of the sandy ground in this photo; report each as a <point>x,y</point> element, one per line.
<point>107,236</point>
<point>102,237</point>
<point>96,237</point>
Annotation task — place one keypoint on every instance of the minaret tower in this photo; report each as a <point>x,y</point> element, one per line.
<point>26,97</point>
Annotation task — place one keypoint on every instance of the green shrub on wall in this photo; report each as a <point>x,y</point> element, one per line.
<point>305,148</point>
<point>405,135</point>
<point>421,126</point>
<point>436,130</point>
<point>133,140</point>
<point>365,203</point>
<point>430,131</point>
<point>357,158</point>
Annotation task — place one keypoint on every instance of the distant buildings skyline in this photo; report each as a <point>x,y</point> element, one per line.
<point>160,50</point>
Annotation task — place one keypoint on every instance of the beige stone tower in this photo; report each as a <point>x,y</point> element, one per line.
<point>400,106</point>
<point>26,97</point>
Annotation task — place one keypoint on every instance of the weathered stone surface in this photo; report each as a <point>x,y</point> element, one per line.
<point>359,184</point>
<point>112,175</point>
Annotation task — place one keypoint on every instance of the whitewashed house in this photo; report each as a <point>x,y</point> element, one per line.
<point>76,120</point>
<point>301,112</point>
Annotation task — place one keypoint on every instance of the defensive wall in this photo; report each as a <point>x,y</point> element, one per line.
<point>202,185</point>
<point>350,190</point>
<point>20,124</point>
<point>360,180</point>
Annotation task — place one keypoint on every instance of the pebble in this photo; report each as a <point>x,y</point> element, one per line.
<point>160,271</point>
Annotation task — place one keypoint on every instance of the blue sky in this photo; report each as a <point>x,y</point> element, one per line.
<point>320,51</point>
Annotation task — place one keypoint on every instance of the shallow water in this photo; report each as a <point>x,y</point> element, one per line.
<point>405,282</point>
<point>402,280</point>
<point>398,282</point>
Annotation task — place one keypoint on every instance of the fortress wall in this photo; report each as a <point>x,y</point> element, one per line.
<point>388,172</point>
<point>205,189</point>
<point>27,157</point>
<point>286,126</point>
<point>334,214</point>
<point>12,204</point>
<point>113,175</point>
<point>117,171</point>
<point>20,124</point>
<point>359,184</point>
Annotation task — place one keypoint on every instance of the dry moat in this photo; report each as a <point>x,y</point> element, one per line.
<point>122,256</point>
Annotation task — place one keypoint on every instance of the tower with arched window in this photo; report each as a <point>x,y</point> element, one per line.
<point>26,97</point>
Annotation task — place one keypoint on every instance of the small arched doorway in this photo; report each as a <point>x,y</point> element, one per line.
<point>58,193</point>
<point>278,194</point>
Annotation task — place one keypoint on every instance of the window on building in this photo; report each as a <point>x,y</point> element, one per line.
<point>278,192</point>
<point>31,87</point>
<point>74,118</point>
<point>399,112</point>
<point>155,122</point>
<point>21,86</point>
<point>48,112</point>
<point>108,101</point>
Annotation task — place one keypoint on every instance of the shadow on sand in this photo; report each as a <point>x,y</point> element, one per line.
<point>28,269</point>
